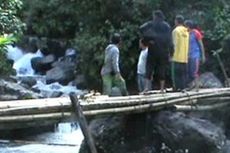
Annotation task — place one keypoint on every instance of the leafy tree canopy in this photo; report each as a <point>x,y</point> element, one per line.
<point>89,23</point>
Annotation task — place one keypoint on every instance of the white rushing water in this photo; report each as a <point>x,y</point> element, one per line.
<point>23,64</point>
<point>65,138</point>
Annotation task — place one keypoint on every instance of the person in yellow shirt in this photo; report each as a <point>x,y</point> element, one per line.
<point>180,36</point>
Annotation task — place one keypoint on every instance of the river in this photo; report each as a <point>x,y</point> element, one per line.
<point>63,138</point>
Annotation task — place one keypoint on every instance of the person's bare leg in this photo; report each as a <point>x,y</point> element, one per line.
<point>162,85</point>
<point>197,83</point>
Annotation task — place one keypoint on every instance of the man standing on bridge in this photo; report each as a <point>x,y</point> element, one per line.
<point>110,71</point>
<point>158,34</point>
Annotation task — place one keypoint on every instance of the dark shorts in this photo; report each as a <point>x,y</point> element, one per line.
<point>157,63</point>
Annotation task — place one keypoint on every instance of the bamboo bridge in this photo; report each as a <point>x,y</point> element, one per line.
<point>41,112</point>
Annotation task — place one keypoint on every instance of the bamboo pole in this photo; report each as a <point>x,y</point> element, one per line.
<point>42,109</point>
<point>104,100</point>
<point>24,142</point>
<point>104,105</point>
<point>83,123</point>
<point>26,118</point>
<point>208,100</point>
<point>34,102</point>
<point>199,107</point>
<point>53,103</point>
<point>155,96</point>
<point>125,98</point>
<point>53,108</point>
<point>143,107</point>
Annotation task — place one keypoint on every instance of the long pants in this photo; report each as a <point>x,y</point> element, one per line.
<point>110,81</point>
<point>179,75</point>
<point>141,82</point>
<point>193,69</point>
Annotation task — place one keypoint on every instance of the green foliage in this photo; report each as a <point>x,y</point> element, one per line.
<point>9,21</point>
<point>9,24</point>
<point>89,24</point>
<point>5,67</point>
<point>51,18</point>
<point>221,28</point>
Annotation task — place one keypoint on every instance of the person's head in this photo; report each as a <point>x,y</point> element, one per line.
<point>115,39</point>
<point>179,20</point>
<point>189,24</point>
<point>158,15</point>
<point>143,43</point>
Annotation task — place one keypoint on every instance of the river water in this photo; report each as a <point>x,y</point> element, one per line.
<point>61,138</point>
<point>64,138</point>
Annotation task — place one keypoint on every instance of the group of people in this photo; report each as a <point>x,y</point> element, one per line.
<point>160,45</point>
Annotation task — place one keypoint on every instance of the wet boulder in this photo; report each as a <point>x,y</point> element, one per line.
<point>207,80</point>
<point>182,132</point>
<point>12,91</point>
<point>62,72</point>
<point>113,134</point>
<point>42,64</point>
<point>163,132</point>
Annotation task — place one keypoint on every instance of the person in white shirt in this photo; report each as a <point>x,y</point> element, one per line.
<point>142,82</point>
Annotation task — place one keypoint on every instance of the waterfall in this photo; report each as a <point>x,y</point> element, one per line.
<point>66,137</point>
<point>23,64</point>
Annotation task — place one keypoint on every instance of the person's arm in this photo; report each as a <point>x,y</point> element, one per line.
<point>171,44</point>
<point>149,65</point>
<point>174,43</point>
<point>202,50</point>
<point>115,62</point>
<point>201,45</point>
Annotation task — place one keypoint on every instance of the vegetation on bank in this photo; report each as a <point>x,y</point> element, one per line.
<point>88,24</point>
<point>10,27</point>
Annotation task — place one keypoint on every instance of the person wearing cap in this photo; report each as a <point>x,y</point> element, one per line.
<point>110,71</point>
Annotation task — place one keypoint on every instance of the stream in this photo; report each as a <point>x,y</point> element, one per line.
<point>61,138</point>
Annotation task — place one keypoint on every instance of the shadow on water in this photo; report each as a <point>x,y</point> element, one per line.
<point>62,138</point>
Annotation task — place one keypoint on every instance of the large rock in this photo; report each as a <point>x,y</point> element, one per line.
<point>164,132</point>
<point>209,80</point>
<point>12,91</point>
<point>182,132</point>
<point>62,72</point>
<point>42,64</point>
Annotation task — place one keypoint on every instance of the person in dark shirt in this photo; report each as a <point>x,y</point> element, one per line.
<point>158,34</point>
